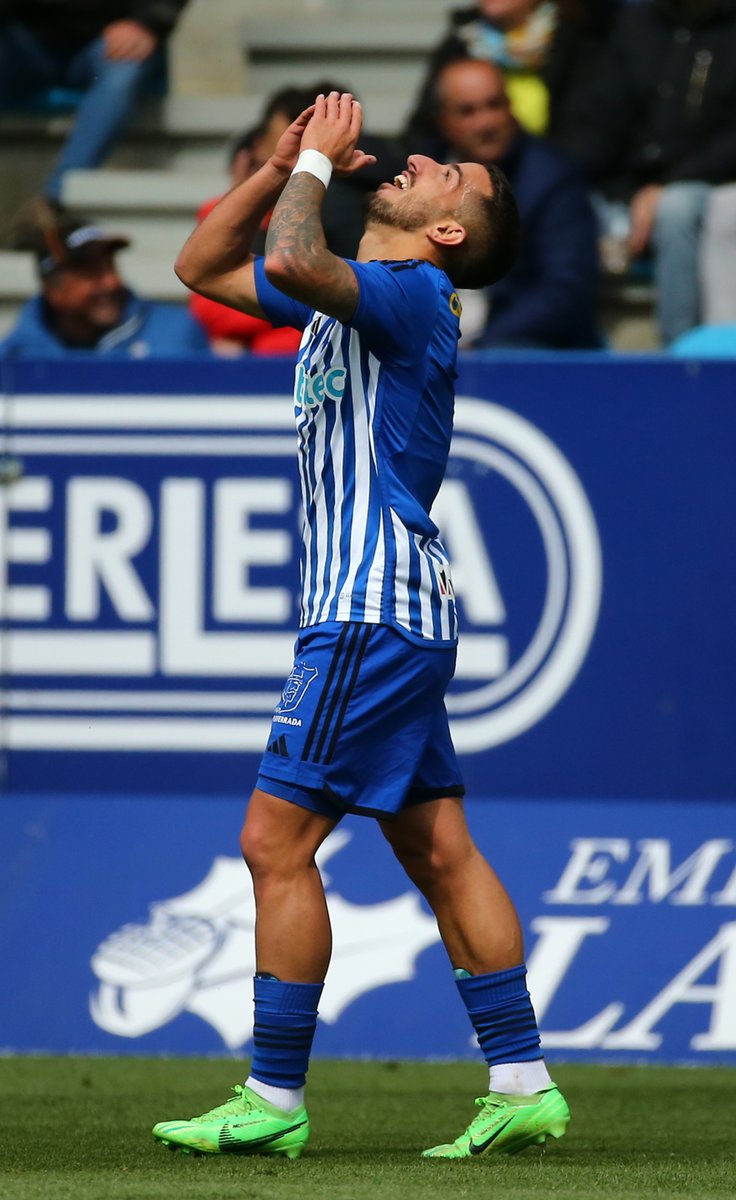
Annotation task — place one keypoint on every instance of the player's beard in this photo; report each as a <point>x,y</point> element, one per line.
<point>405,213</point>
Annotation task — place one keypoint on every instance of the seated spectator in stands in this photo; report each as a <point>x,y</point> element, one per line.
<point>548,299</point>
<point>343,215</point>
<point>548,52</point>
<point>656,132</point>
<point>84,307</point>
<point>109,49</point>
<point>718,257</point>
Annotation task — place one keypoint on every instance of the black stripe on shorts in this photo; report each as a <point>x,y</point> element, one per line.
<point>341,679</point>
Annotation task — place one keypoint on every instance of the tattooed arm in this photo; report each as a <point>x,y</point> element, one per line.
<point>297,259</point>
<point>217,259</point>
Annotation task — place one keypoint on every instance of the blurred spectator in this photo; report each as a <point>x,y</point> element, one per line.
<point>656,132</point>
<point>84,306</point>
<point>718,257</point>
<point>343,215</point>
<point>549,297</point>
<point>110,49</point>
<point>547,50</point>
<point>706,341</point>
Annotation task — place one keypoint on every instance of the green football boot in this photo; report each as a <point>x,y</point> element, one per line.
<point>247,1124</point>
<point>507,1124</point>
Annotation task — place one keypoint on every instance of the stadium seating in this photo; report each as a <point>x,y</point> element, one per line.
<point>175,153</point>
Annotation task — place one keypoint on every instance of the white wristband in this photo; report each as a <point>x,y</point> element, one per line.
<point>314,162</point>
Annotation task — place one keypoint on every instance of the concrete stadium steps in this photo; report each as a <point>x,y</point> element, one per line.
<point>188,134</point>
<point>191,134</point>
<point>141,191</point>
<point>179,132</point>
<point>18,283</point>
<point>152,276</point>
<point>375,56</point>
<point>175,153</point>
<point>155,209</point>
<point>176,117</point>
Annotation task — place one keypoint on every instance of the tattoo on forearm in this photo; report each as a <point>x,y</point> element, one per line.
<point>296,230</point>
<point>296,225</point>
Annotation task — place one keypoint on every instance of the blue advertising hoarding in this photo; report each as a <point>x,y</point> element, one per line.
<point>148,615</point>
<point>127,927</point>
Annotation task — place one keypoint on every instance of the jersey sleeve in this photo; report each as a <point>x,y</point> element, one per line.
<point>279,308</point>
<point>397,306</point>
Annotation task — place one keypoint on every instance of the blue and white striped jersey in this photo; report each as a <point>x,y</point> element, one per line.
<point>374,404</point>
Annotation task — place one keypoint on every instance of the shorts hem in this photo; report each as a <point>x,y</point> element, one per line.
<point>421,795</point>
<point>319,800</point>
<point>312,799</point>
<point>290,773</point>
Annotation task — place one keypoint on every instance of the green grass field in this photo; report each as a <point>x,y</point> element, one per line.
<point>79,1128</point>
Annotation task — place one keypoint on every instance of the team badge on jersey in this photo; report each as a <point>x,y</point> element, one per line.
<point>455,306</point>
<point>296,686</point>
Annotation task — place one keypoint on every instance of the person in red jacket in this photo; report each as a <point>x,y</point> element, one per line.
<point>231,332</point>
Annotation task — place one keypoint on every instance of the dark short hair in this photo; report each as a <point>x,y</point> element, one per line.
<point>291,101</point>
<point>244,141</point>
<point>492,225</point>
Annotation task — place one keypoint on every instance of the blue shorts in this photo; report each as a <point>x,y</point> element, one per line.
<point>361,725</point>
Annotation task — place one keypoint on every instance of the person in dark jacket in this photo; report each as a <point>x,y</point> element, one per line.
<point>548,51</point>
<point>657,131</point>
<point>84,307</point>
<point>549,298</point>
<point>109,49</point>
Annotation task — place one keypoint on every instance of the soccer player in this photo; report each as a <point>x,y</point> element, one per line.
<point>361,726</point>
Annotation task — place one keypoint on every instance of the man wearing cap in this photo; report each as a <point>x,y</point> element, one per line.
<point>84,306</point>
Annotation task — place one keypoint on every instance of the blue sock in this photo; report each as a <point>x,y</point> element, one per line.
<point>283,1030</point>
<point>500,1010</point>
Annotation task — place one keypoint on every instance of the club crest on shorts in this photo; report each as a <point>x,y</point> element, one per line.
<point>296,686</point>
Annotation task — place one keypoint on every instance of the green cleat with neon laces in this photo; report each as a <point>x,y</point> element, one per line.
<point>507,1124</point>
<point>247,1124</point>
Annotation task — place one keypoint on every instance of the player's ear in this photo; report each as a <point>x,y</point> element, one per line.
<point>447,232</point>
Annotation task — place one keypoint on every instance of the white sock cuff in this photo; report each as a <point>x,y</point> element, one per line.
<point>519,1079</point>
<point>286,1098</point>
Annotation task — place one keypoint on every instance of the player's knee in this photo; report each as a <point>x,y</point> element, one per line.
<point>270,853</point>
<point>259,845</point>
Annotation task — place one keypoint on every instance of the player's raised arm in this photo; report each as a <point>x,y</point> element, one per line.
<point>217,260</point>
<point>297,259</point>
